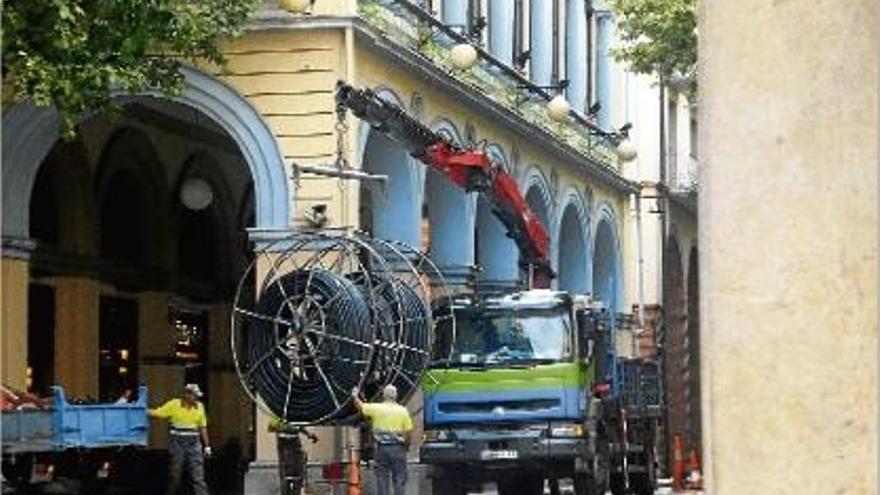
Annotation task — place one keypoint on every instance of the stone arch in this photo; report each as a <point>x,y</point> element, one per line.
<point>495,253</point>
<point>607,280</point>
<point>391,210</point>
<point>219,221</point>
<point>450,214</point>
<point>62,205</point>
<point>538,196</point>
<point>574,271</point>
<point>131,193</point>
<point>31,131</point>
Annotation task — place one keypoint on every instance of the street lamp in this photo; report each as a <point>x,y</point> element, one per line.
<point>196,194</point>
<point>626,150</point>
<point>623,147</point>
<point>295,6</point>
<point>463,56</point>
<point>558,107</point>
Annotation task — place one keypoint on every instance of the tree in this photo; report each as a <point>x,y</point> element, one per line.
<point>74,54</point>
<point>659,37</point>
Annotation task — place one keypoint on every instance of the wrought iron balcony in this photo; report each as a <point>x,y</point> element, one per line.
<point>410,26</point>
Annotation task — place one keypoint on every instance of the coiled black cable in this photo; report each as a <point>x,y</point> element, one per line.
<point>305,362</point>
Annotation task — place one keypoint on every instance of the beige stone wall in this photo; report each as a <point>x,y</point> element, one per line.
<point>788,244</point>
<point>13,364</point>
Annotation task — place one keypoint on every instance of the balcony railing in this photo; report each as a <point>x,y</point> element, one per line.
<point>409,25</point>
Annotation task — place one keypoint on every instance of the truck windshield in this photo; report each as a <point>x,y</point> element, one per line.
<point>533,336</point>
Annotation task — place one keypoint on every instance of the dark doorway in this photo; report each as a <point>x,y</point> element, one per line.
<point>41,339</point>
<point>191,349</point>
<point>117,332</point>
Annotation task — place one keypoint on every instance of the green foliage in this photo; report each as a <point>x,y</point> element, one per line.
<point>74,54</point>
<point>659,37</point>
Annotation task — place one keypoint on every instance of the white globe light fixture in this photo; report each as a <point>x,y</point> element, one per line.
<point>295,6</point>
<point>196,194</point>
<point>558,108</point>
<point>463,56</point>
<point>626,150</point>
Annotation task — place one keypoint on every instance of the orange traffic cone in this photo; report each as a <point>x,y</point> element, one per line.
<point>354,475</point>
<point>695,478</point>
<point>678,463</point>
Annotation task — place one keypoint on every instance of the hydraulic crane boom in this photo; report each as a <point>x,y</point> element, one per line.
<point>467,168</point>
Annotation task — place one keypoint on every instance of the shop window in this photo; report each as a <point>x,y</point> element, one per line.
<point>41,339</point>
<point>190,330</point>
<point>117,335</point>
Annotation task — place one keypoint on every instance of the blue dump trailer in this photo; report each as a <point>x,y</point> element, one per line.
<point>86,442</point>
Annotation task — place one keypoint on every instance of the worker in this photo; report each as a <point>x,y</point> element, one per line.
<point>392,431</point>
<point>188,423</point>
<point>291,455</point>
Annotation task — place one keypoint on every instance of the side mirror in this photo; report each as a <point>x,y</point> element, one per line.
<point>587,335</point>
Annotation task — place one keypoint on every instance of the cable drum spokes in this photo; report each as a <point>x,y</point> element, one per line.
<point>332,312</point>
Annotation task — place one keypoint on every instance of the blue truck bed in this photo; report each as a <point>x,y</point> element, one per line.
<point>73,426</point>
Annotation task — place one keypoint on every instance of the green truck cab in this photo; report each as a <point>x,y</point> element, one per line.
<point>513,399</point>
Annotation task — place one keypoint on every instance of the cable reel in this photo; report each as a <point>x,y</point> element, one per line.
<point>332,312</point>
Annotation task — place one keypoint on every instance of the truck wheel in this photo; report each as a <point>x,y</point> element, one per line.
<point>587,484</point>
<point>641,484</point>
<point>616,484</point>
<point>444,483</point>
<point>521,485</point>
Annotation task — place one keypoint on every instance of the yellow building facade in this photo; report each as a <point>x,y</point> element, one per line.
<point>122,249</point>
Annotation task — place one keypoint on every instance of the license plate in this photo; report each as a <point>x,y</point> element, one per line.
<point>496,455</point>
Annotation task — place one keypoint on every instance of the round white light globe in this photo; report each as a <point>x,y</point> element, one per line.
<point>463,56</point>
<point>196,194</point>
<point>557,108</point>
<point>295,6</point>
<point>626,150</point>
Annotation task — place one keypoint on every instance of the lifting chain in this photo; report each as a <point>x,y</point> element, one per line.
<point>341,133</point>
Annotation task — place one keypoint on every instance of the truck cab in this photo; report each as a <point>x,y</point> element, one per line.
<point>509,400</point>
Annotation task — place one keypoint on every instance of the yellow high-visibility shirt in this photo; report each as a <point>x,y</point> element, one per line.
<point>389,421</point>
<point>182,417</point>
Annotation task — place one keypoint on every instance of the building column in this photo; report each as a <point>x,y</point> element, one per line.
<point>13,362</point>
<point>77,335</point>
<point>576,54</point>
<point>541,42</point>
<point>604,32</point>
<point>501,30</point>
<point>158,371</point>
<point>789,303</point>
<point>455,12</point>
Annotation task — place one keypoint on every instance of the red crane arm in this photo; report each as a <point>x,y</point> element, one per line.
<point>470,169</point>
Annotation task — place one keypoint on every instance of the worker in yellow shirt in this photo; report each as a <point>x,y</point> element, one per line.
<point>292,457</point>
<point>188,422</point>
<point>392,431</point>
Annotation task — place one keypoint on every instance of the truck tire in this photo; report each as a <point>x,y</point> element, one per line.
<point>521,485</point>
<point>447,482</point>
<point>586,484</point>
<point>616,484</point>
<point>641,484</point>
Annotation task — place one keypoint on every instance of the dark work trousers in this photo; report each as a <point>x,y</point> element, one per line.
<point>391,466</point>
<point>186,453</point>
<point>291,463</point>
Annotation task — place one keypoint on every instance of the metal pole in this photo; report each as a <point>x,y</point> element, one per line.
<point>338,172</point>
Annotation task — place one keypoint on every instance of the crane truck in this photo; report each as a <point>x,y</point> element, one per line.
<point>528,388</point>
